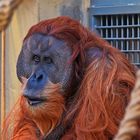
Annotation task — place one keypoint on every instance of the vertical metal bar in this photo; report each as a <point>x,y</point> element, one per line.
<point>122,36</point>
<point>101,32</point>
<point>122,45</point>
<point>92,23</point>
<point>111,20</point>
<point>117,36</point>
<point>138,36</point>
<point>122,20</point>
<point>132,44</point>
<point>132,32</point>
<point>101,22</point>
<point>111,26</point>
<point>106,18</point>
<point>3,98</point>
<point>127,30</point>
<point>112,31</point>
<point>117,21</point>
<point>117,43</point>
<point>132,19</point>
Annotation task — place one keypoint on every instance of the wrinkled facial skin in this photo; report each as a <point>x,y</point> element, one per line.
<point>43,59</point>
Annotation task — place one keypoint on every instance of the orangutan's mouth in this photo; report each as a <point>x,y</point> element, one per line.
<point>32,101</point>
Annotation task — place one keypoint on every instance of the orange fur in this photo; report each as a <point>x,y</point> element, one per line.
<point>14,129</point>
<point>49,112</point>
<point>101,99</point>
<point>104,94</point>
<point>27,120</point>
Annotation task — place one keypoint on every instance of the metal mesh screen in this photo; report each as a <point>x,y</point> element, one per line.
<point>123,32</point>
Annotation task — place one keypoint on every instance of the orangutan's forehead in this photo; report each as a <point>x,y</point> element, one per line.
<point>42,42</point>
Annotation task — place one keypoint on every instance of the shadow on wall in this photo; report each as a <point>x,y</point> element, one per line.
<point>73,9</point>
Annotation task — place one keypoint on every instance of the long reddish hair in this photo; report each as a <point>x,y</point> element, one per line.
<point>104,90</point>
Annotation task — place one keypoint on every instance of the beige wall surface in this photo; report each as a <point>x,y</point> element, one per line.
<point>29,13</point>
<point>77,9</point>
<point>25,16</point>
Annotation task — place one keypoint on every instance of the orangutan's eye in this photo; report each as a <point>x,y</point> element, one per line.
<point>48,60</point>
<point>36,58</point>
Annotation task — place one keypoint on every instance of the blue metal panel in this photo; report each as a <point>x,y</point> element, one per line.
<point>113,10</point>
<point>114,2</point>
<point>118,21</point>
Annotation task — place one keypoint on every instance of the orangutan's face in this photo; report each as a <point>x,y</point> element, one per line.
<point>43,59</point>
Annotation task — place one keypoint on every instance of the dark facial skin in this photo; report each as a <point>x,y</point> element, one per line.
<point>42,59</point>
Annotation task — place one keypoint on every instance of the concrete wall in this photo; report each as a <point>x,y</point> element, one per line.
<point>77,9</point>
<point>25,16</point>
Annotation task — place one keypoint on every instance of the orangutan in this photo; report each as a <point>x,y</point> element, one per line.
<point>75,86</point>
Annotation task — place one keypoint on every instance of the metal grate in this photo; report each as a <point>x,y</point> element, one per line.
<point>123,32</point>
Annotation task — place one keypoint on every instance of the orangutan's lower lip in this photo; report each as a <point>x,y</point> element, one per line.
<point>34,101</point>
<point>30,102</point>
